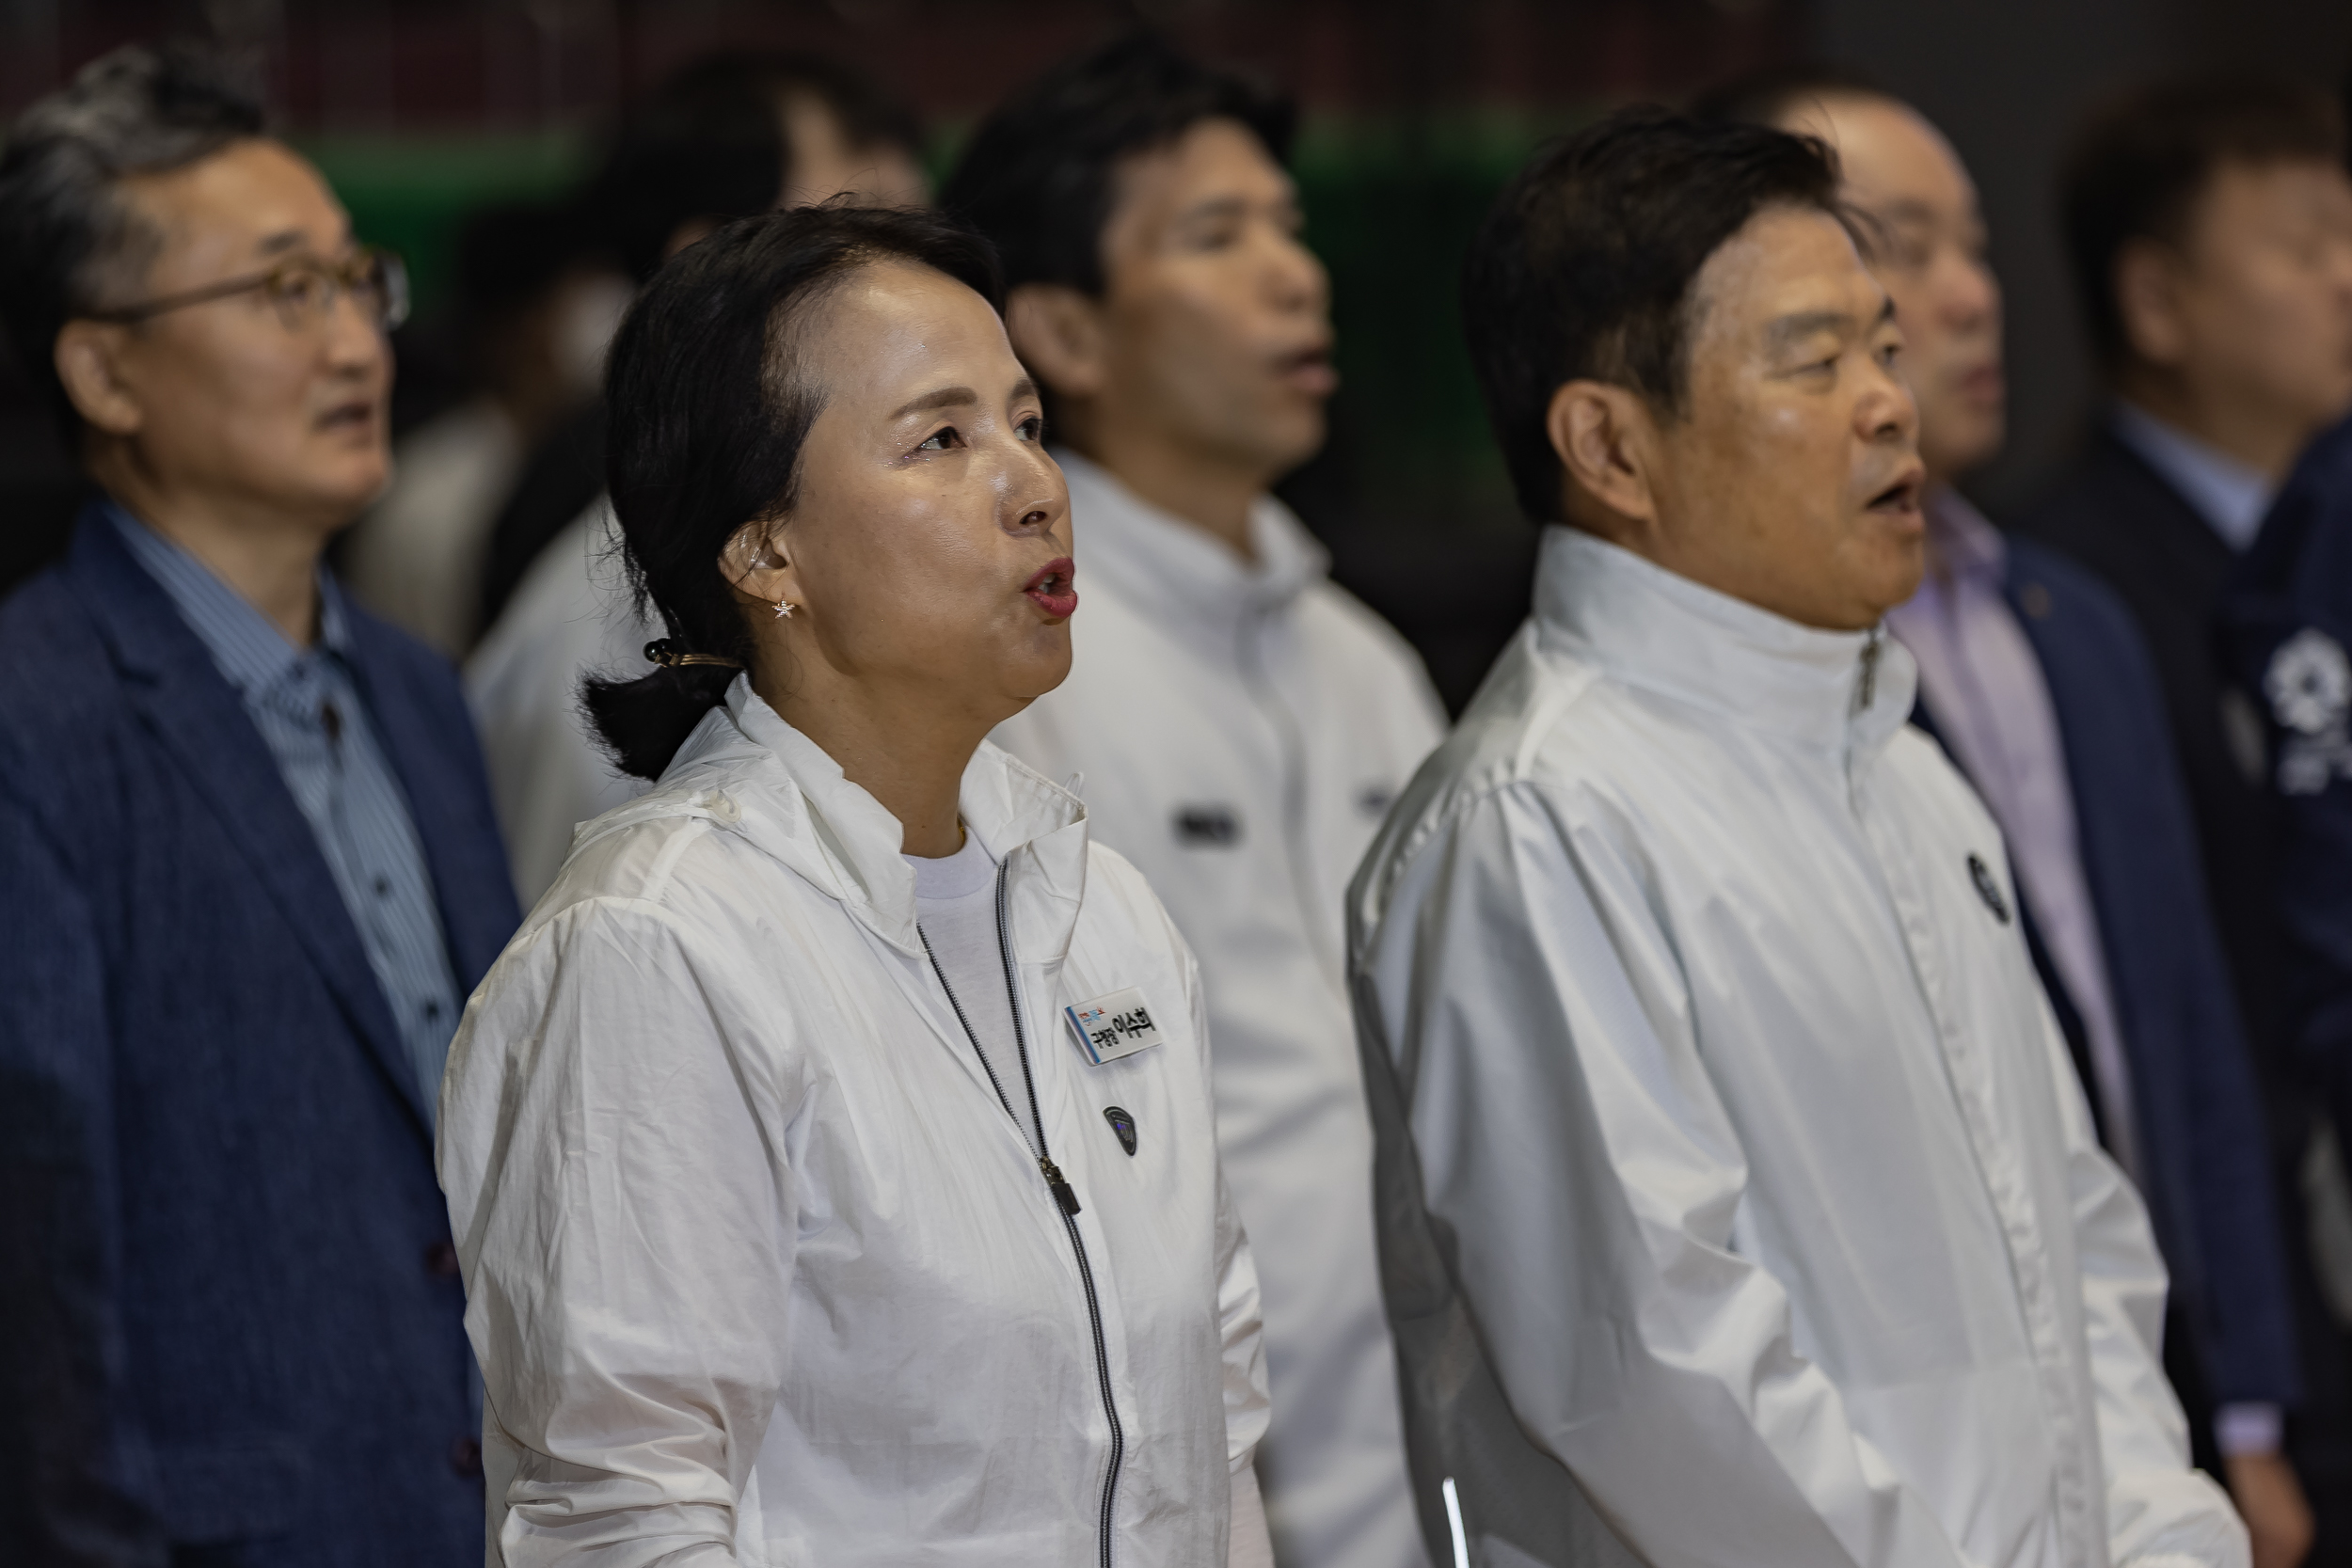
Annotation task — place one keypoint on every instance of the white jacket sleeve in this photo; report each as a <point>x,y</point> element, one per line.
<point>1570,1137</point>
<point>1241,1324</point>
<point>2161,1513</point>
<point>628,1237</point>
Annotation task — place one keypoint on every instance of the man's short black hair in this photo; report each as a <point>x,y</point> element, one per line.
<point>709,143</point>
<point>2140,162</point>
<point>1769,96</point>
<point>67,243</point>
<point>1038,178</point>
<point>1585,269</point>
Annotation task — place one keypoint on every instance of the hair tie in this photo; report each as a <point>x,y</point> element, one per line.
<point>670,655</point>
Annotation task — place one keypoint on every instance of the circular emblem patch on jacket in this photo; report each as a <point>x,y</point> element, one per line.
<point>2308,683</point>
<point>2309,687</point>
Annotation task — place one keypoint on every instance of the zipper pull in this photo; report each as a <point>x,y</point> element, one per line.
<point>1064,1192</point>
<point>1870,684</point>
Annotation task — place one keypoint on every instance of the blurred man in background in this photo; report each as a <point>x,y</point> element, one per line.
<point>536,305</point>
<point>2209,228</point>
<point>1774,1199</point>
<point>1240,723</point>
<point>251,874</point>
<point>736,134</point>
<point>2032,676</point>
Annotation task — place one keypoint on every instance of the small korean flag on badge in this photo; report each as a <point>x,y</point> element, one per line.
<point>1113,1026</point>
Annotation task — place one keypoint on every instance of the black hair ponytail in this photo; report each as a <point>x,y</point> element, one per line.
<point>708,411</point>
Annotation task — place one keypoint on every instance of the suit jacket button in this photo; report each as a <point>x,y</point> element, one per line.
<point>441,1260</point>
<point>465,1457</point>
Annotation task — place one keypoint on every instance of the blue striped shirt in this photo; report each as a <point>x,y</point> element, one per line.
<point>306,705</point>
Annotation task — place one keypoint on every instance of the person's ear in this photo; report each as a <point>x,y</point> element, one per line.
<point>1058,332</point>
<point>754,560</point>
<point>1603,436</point>
<point>2148,285</point>
<point>88,357</point>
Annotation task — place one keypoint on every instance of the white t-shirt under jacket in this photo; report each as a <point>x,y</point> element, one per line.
<point>759,1270</point>
<point>1777,1203</point>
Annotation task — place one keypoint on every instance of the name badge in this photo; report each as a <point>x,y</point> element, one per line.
<point>1113,1026</point>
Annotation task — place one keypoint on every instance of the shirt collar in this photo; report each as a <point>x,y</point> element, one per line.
<point>252,654</point>
<point>1968,563</point>
<point>1962,543</point>
<point>1654,630</point>
<point>2229,496</point>
<point>1155,557</point>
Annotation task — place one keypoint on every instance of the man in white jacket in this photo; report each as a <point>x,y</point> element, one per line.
<point>1240,723</point>
<point>1772,1191</point>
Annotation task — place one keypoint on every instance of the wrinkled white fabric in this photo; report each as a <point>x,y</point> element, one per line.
<point>1249,1546</point>
<point>1777,1199</point>
<point>570,616</point>
<point>757,1268</point>
<point>1241,728</point>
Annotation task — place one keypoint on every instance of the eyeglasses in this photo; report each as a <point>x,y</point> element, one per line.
<point>304,289</point>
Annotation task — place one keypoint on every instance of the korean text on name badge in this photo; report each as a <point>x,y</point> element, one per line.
<point>1113,1026</point>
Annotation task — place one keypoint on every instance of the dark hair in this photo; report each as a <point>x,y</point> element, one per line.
<point>1584,267</point>
<point>1768,96</point>
<point>68,243</point>
<point>710,143</point>
<point>2138,165</point>
<point>510,253</point>
<point>1039,175</point>
<point>708,408</point>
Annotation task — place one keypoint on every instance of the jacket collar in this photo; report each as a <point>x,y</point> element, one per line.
<point>1152,557</point>
<point>252,654</point>
<point>752,774</point>
<point>1653,629</point>
<point>2227,495</point>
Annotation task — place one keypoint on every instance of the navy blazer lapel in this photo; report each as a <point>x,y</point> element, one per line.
<point>438,770</point>
<point>194,710</point>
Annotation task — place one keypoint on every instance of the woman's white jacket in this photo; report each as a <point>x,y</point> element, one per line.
<point>758,1267</point>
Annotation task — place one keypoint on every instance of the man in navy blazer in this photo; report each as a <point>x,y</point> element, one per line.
<point>248,873</point>
<point>2286,621</point>
<point>2208,221</point>
<point>2032,677</point>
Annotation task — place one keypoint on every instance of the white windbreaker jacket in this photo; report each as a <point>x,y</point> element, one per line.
<point>1777,1204</point>
<point>758,1268</point>
<point>1240,731</point>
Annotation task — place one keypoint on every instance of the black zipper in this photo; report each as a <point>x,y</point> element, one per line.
<point>1065,1198</point>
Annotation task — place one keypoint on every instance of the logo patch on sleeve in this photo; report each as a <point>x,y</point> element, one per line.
<point>1113,1026</point>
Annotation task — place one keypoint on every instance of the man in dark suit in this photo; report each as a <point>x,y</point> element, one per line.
<point>2285,624</point>
<point>2034,681</point>
<point>2209,224</point>
<point>250,873</point>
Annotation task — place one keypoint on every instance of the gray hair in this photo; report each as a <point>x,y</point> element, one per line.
<point>67,240</point>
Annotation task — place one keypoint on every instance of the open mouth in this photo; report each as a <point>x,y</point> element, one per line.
<point>1901,498</point>
<point>1309,370</point>
<point>1053,588</point>
<point>358,413</point>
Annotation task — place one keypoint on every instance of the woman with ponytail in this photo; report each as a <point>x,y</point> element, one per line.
<point>832,1155</point>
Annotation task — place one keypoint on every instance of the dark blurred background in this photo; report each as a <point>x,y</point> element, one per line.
<point>1416,111</point>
